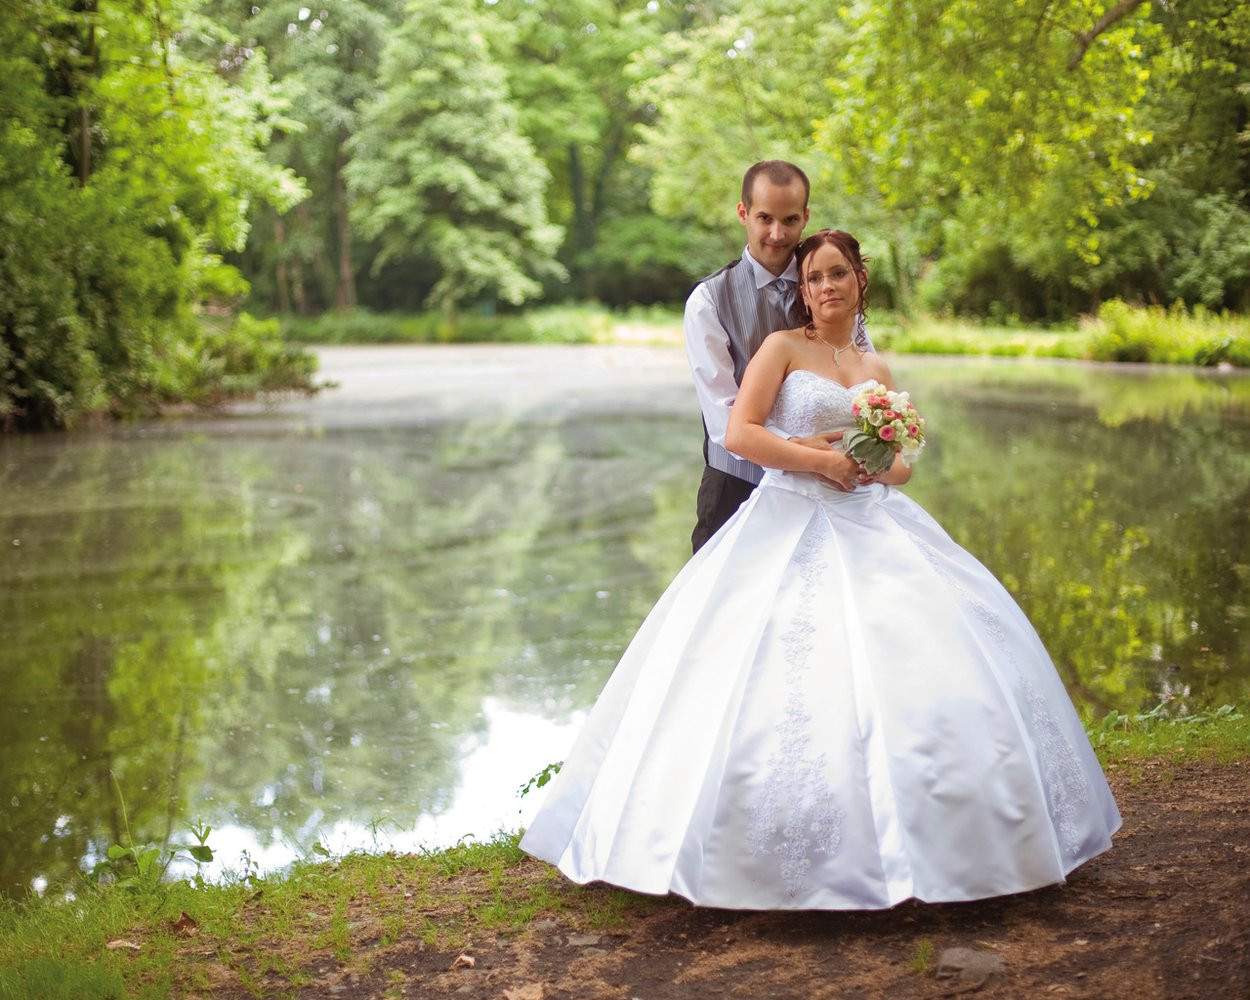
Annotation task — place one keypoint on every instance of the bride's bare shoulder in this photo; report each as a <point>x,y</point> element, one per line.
<point>787,338</point>
<point>876,366</point>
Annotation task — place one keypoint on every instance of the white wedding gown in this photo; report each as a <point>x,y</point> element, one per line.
<point>833,706</point>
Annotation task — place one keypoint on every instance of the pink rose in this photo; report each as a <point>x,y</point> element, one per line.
<point>890,415</point>
<point>913,430</point>
<point>855,409</point>
<point>887,432</point>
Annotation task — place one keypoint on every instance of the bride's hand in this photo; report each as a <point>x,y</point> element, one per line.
<point>841,471</point>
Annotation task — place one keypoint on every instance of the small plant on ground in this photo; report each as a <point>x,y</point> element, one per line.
<point>143,866</point>
<point>1223,733</point>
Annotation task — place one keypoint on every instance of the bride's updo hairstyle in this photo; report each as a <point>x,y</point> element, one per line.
<point>849,247</point>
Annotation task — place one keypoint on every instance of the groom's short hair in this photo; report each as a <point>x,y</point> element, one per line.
<point>780,172</point>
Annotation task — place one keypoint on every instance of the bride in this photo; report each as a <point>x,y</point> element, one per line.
<point>833,705</point>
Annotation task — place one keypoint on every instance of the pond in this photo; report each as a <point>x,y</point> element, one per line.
<point>364,620</point>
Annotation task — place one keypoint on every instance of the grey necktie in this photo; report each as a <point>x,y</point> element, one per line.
<point>784,288</point>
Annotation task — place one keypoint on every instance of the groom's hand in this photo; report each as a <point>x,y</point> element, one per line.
<point>823,442</point>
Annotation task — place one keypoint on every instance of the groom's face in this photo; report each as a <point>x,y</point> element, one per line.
<point>774,220</point>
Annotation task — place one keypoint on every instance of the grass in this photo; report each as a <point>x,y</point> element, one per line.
<point>1221,735</point>
<point>272,936</point>
<point>264,935</point>
<point>922,956</point>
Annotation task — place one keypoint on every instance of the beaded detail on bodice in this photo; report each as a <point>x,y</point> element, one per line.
<point>812,404</point>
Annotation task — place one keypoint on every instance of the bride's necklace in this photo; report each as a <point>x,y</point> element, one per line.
<point>850,342</point>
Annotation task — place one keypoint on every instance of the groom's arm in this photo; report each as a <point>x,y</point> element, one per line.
<point>712,364</point>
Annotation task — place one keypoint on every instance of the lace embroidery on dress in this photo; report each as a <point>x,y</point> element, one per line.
<point>1066,785</point>
<point>796,815</point>
<point>804,404</point>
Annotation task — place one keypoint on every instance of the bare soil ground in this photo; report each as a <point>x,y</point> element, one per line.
<point>1164,914</point>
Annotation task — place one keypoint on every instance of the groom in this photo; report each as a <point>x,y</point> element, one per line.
<point>728,315</point>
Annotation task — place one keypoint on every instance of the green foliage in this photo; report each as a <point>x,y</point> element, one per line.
<point>938,336</point>
<point>1212,266</point>
<point>573,71</point>
<point>1169,336</point>
<point>520,150</point>
<point>325,64</point>
<point>727,94</point>
<point>441,170</point>
<point>1220,733</point>
<point>240,357</point>
<point>1073,159</point>
<point>125,169</point>
<point>540,779</point>
<point>971,148</point>
<point>141,867</point>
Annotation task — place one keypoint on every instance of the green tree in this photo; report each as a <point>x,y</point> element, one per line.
<point>992,132</point>
<point>127,168</point>
<point>1190,239</point>
<point>573,70</point>
<point>325,64</point>
<point>441,170</point>
<point>746,84</point>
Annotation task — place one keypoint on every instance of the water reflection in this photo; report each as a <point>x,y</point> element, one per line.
<point>366,626</point>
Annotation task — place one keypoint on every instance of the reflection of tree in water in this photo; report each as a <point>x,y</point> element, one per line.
<point>459,561</point>
<point>350,700</point>
<point>1097,497</point>
<point>589,553</point>
<point>103,607</point>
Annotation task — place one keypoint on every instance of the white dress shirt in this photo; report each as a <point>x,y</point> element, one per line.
<point>707,347</point>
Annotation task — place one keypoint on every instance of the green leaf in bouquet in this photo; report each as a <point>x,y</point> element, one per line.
<point>875,455</point>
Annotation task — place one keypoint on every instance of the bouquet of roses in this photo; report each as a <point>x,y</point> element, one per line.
<point>886,424</point>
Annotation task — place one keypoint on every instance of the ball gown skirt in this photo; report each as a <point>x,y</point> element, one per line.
<point>833,706</point>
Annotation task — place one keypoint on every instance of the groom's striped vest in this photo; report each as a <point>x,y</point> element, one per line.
<point>748,315</point>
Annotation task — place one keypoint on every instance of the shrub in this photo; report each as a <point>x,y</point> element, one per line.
<point>1168,336</point>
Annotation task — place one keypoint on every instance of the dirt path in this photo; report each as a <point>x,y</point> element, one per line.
<point>1165,914</point>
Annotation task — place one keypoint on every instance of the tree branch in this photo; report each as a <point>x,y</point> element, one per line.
<point>1086,38</point>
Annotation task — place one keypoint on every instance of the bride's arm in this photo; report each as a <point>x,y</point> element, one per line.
<point>747,436</point>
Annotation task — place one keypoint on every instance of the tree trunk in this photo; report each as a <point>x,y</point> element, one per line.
<point>583,223</point>
<point>297,286</point>
<point>280,277</point>
<point>321,266</point>
<point>902,280</point>
<point>345,293</point>
<point>79,126</point>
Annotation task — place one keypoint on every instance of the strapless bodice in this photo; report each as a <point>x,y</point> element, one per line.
<point>808,404</point>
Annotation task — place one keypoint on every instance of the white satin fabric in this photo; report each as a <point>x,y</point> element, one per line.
<point>833,706</point>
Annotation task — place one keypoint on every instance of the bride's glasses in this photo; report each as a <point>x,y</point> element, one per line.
<point>815,279</point>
